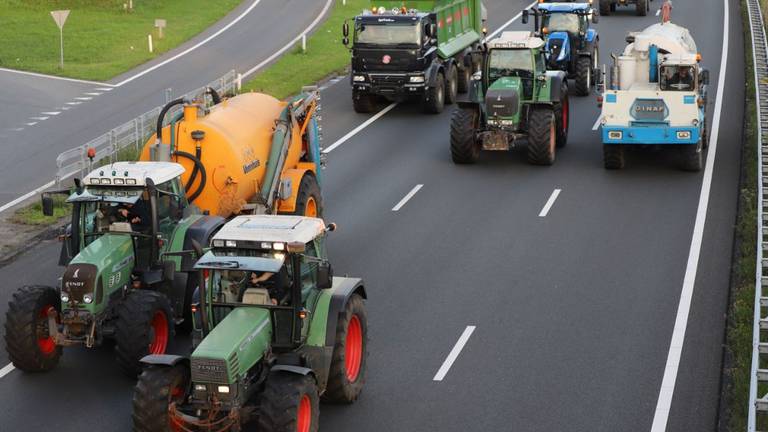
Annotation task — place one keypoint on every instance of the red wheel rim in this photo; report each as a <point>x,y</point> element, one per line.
<point>304,415</point>
<point>159,333</point>
<point>311,207</point>
<point>353,357</point>
<point>46,344</point>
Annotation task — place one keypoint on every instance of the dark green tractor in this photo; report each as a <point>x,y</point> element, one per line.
<point>513,98</point>
<point>274,334</point>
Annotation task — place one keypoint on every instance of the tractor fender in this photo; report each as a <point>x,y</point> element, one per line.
<point>294,175</point>
<point>200,231</point>
<point>591,36</point>
<point>434,69</point>
<point>556,83</point>
<point>341,294</point>
<point>589,44</point>
<point>298,370</point>
<point>163,359</point>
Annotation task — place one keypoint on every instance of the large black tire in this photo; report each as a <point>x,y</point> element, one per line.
<point>465,78</point>
<point>309,201</point>
<point>27,341</point>
<point>541,136</point>
<point>613,156</point>
<point>605,7</point>
<point>349,363</point>
<point>281,403</point>
<point>141,318</point>
<point>363,103</point>
<point>705,133</point>
<point>156,388</point>
<point>434,97</point>
<point>641,7</point>
<point>452,85</point>
<point>691,157</point>
<point>562,117</point>
<point>583,76</point>
<point>465,148</point>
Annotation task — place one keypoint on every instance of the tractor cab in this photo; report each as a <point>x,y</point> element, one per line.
<point>514,60</point>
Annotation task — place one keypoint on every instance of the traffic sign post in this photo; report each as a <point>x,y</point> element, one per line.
<point>60,17</point>
<point>160,24</point>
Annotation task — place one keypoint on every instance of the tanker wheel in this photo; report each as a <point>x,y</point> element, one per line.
<point>349,361</point>
<point>542,137</point>
<point>156,388</point>
<point>309,201</point>
<point>27,340</point>
<point>144,326</point>
<point>691,157</point>
<point>289,403</point>
<point>452,85</point>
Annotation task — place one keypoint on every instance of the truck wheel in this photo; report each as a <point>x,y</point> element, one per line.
<point>452,85</point>
<point>27,341</point>
<point>309,201</point>
<point>641,7</point>
<point>144,326</point>
<point>289,403</point>
<point>605,7</point>
<point>691,157</point>
<point>434,97</point>
<point>465,78</point>
<point>349,362</point>
<point>363,103</point>
<point>156,388</point>
<point>704,133</point>
<point>583,76</point>
<point>541,137</point>
<point>613,156</point>
<point>465,149</point>
<point>563,117</point>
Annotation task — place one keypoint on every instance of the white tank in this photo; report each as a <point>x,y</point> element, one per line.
<point>627,69</point>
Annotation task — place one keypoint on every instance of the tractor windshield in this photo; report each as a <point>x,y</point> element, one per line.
<point>510,62</point>
<point>390,34</point>
<point>677,78</point>
<point>103,210</point>
<point>567,22</point>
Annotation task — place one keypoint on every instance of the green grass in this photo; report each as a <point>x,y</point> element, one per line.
<point>33,214</point>
<point>101,39</point>
<point>325,56</point>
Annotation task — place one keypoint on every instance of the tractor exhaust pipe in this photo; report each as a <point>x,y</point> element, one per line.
<point>615,73</point>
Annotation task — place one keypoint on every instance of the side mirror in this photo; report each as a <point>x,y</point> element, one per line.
<point>524,18</point>
<point>594,17</point>
<point>705,76</point>
<point>345,41</point>
<point>324,275</point>
<point>169,271</point>
<point>47,206</point>
<point>345,30</point>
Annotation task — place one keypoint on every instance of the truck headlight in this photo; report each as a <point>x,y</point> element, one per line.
<point>358,78</point>
<point>64,297</point>
<point>417,79</point>
<point>223,389</point>
<point>87,298</point>
<point>615,135</point>
<point>683,135</point>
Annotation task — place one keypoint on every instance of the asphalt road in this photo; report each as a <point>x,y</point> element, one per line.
<point>573,311</point>
<point>86,111</point>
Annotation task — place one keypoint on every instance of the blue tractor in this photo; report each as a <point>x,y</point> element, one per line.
<point>571,45</point>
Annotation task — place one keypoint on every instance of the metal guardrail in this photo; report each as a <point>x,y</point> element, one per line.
<point>132,134</point>
<point>758,399</point>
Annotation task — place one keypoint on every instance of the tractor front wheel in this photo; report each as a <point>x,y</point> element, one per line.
<point>452,85</point>
<point>309,201</point>
<point>434,97</point>
<point>156,389</point>
<point>541,137</point>
<point>465,78</point>
<point>563,116</point>
<point>289,403</point>
<point>27,340</point>
<point>465,148</point>
<point>583,76</point>
<point>691,157</point>
<point>641,7</point>
<point>144,326</point>
<point>613,156</point>
<point>363,103</point>
<point>349,361</point>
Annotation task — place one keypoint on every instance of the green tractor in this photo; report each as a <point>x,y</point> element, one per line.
<point>127,281</point>
<point>514,97</point>
<point>274,334</point>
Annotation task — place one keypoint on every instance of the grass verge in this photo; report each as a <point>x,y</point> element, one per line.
<point>101,39</point>
<point>33,214</point>
<point>325,56</point>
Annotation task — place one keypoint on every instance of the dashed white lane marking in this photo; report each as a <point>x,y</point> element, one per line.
<point>544,211</point>
<point>6,370</point>
<point>106,89</point>
<point>93,94</point>
<point>65,108</point>
<point>74,103</point>
<point>39,118</point>
<point>31,123</point>
<point>18,129</point>
<point>597,123</point>
<point>51,113</point>
<point>454,354</point>
<point>672,366</point>
<point>356,130</point>
<point>84,98</point>
<point>407,197</point>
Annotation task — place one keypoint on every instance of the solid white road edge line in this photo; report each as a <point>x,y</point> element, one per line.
<point>454,354</point>
<point>544,211</point>
<point>407,197</point>
<point>356,130</point>
<point>667,390</point>
<point>6,370</point>
<point>26,195</point>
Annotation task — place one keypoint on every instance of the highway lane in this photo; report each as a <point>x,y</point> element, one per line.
<point>573,311</point>
<point>27,157</point>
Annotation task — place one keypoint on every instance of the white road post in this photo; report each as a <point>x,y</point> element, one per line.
<point>60,17</point>
<point>304,43</point>
<point>149,39</point>
<point>239,81</point>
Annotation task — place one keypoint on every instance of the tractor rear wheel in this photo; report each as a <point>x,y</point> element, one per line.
<point>452,85</point>
<point>613,156</point>
<point>541,137</point>
<point>156,388</point>
<point>144,326</point>
<point>465,148</point>
<point>363,103</point>
<point>562,116</point>
<point>605,7</point>
<point>641,7</point>
<point>465,78</point>
<point>309,201</point>
<point>583,76</point>
<point>691,157</point>
<point>27,340</point>
<point>434,97</point>
<point>289,403</point>
<point>349,362</point>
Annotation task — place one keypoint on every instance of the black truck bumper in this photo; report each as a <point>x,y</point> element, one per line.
<point>391,86</point>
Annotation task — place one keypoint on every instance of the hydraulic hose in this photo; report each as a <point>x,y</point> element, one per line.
<point>214,95</point>
<point>161,117</point>
<point>199,167</point>
<point>195,170</point>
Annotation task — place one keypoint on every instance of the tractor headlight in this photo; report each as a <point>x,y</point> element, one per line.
<point>417,79</point>
<point>278,246</point>
<point>200,387</point>
<point>683,135</point>
<point>119,181</point>
<point>64,297</point>
<point>358,78</point>
<point>87,298</point>
<point>218,243</point>
<point>130,181</point>
<point>615,135</point>
<point>230,243</point>
<point>223,389</point>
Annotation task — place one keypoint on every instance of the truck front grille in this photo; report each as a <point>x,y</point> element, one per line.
<point>388,80</point>
<point>209,371</point>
